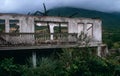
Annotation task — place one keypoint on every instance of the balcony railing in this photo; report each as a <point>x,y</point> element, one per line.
<point>37,39</point>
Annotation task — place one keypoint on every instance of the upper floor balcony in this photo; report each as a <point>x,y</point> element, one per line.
<point>30,32</point>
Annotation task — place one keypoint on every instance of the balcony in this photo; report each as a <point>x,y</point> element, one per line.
<point>19,40</point>
<point>42,40</point>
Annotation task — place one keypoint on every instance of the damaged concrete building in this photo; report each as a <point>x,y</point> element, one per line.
<point>24,31</point>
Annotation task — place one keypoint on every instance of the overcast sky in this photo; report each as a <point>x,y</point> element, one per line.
<point>25,6</point>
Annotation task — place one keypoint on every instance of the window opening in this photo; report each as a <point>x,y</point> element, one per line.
<point>14,26</point>
<point>2,26</point>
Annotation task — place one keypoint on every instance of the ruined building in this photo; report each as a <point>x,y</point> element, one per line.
<point>30,32</point>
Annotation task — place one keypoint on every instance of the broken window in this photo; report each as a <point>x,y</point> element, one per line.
<point>14,26</point>
<point>64,28</point>
<point>41,27</point>
<point>49,28</point>
<point>2,25</point>
<point>61,28</point>
<point>90,29</point>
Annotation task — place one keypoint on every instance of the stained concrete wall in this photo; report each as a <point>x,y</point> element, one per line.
<point>26,24</point>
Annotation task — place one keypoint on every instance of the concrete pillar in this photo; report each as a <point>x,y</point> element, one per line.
<point>34,59</point>
<point>105,49</point>
<point>99,51</point>
<point>7,26</point>
<point>85,28</point>
<point>97,30</point>
<point>51,31</point>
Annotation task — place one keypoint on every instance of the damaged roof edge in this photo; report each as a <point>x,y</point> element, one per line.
<point>16,14</point>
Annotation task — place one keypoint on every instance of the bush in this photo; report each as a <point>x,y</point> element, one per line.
<point>45,67</point>
<point>9,68</point>
<point>77,62</point>
<point>71,62</point>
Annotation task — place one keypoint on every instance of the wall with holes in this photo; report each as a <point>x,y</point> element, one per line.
<point>91,27</point>
<point>13,23</point>
<point>17,23</point>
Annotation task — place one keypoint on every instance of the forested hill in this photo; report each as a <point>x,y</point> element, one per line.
<point>111,20</point>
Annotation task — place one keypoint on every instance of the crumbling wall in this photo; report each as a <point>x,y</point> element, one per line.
<point>91,27</point>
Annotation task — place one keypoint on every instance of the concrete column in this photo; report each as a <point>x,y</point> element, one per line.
<point>34,59</point>
<point>85,28</point>
<point>7,26</point>
<point>105,49</point>
<point>51,31</point>
<point>97,31</point>
<point>99,51</point>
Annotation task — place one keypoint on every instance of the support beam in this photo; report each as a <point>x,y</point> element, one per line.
<point>7,26</point>
<point>34,59</point>
<point>99,51</point>
<point>105,50</point>
<point>51,31</point>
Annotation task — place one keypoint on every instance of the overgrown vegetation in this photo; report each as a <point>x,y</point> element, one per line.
<point>8,68</point>
<point>111,37</point>
<point>70,62</point>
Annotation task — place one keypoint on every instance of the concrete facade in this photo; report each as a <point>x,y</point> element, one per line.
<point>27,37</point>
<point>91,27</point>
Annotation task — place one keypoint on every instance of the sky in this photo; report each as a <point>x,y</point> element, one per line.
<point>25,6</point>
